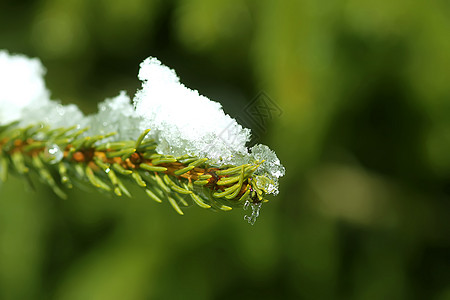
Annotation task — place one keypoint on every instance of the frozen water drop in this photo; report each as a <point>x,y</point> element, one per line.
<point>53,154</point>
<point>256,208</point>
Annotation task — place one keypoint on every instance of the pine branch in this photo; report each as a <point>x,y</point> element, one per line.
<point>111,166</point>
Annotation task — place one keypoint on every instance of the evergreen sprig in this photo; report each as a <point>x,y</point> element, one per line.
<point>65,157</point>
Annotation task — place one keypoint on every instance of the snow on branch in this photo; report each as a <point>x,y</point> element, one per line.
<point>182,123</point>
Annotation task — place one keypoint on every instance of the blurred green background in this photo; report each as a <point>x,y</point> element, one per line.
<point>364,133</point>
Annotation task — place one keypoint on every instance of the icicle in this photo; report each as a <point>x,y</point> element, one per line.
<point>256,207</point>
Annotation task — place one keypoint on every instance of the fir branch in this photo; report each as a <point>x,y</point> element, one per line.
<point>114,148</point>
<point>111,166</point>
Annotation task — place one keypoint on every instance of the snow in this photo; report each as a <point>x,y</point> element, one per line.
<point>182,120</point>
<point>52,113</point>
<point>21,83</point>
<point>25,98</point>
<point>115,115</point>
<point>272,167</point>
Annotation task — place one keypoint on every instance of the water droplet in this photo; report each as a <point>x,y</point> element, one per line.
<point>53,154</point>
<point>256,207</point>
<point>107,170</point>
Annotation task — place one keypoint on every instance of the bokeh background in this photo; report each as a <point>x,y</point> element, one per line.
<point>363,89</point>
